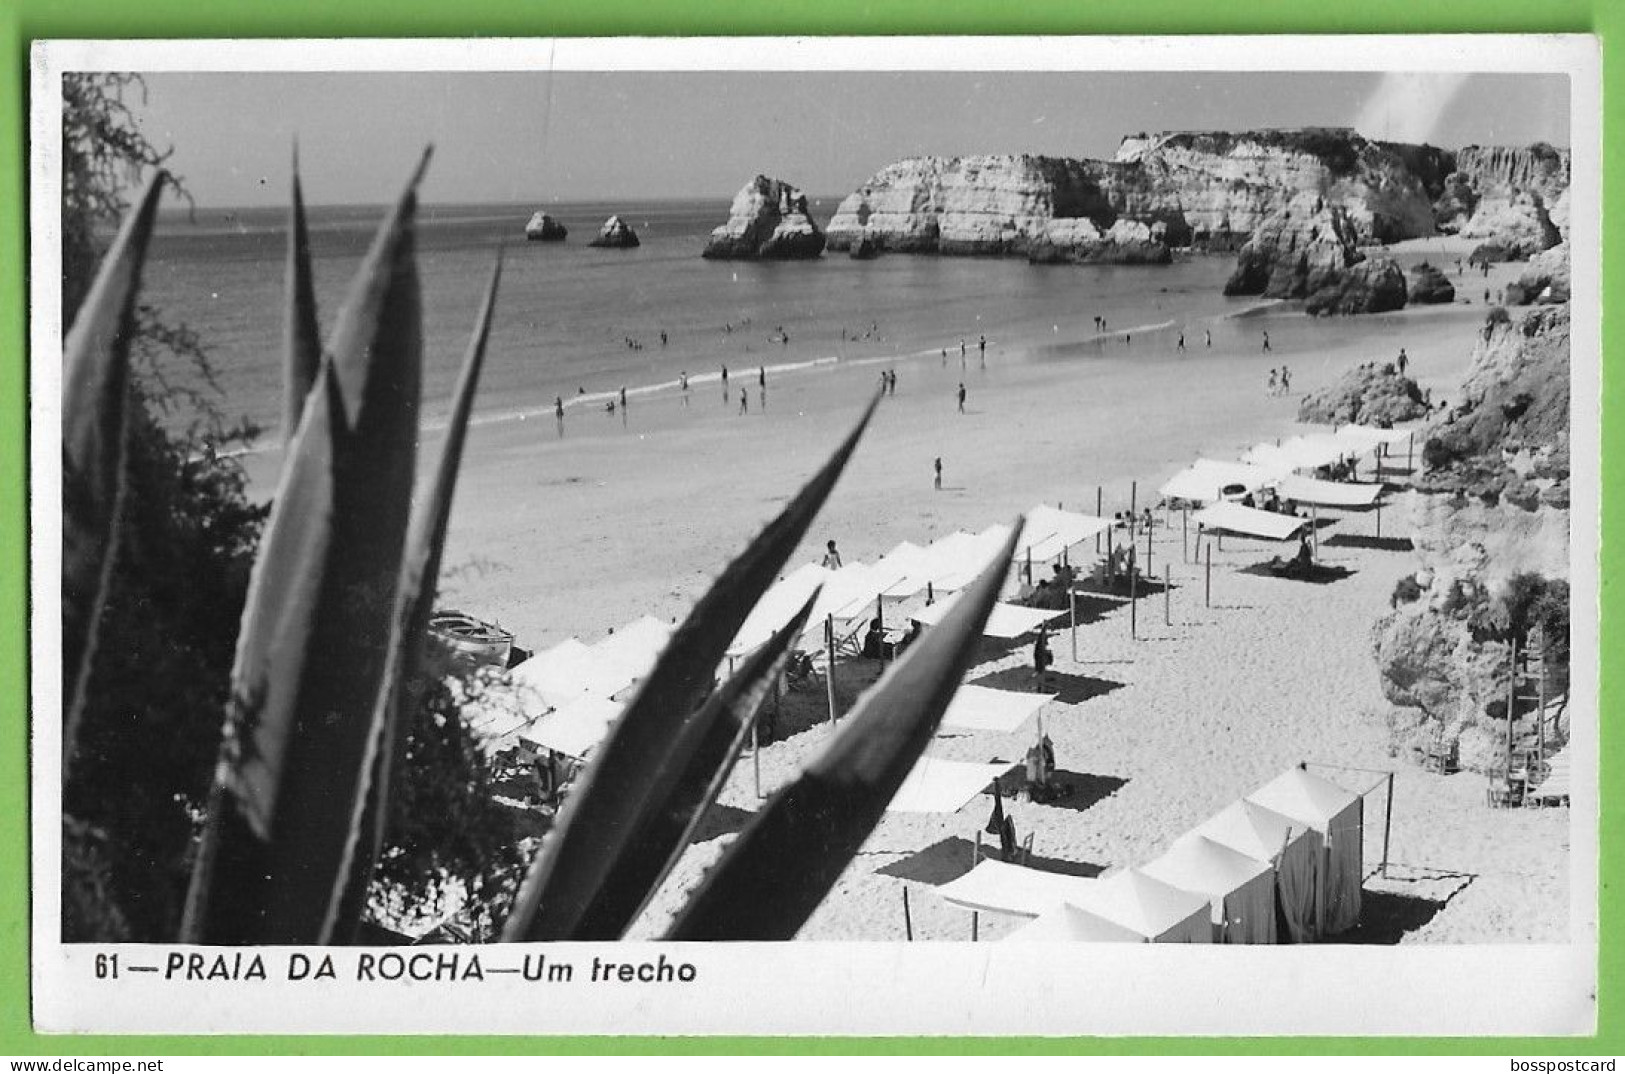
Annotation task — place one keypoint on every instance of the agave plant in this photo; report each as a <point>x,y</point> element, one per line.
<point>330,657</point>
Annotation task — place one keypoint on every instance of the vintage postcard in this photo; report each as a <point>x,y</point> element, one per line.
<point>1021,536</point>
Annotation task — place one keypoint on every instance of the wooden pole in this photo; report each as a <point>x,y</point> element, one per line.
<point>880,618</point>
<point>1379,518</point>
<point>1133,498</point>
<point>1133,604</point>
<point>756,758</point>
<point>1167,596</point>
<point>908,920</point>
<point>1410,441</point>
<point>1387,823</point>
<point>829,651</point>
<point>1184,536</point>
<point>1111,574</point>
<point>1148,568</point>
<point>1314,531</point>
<point>1207,585</point>
<point>1072,605</point>
<point>1100,494</point>
<point>1540,699</point>
<point>1512,697</point>
<point>975,925</point>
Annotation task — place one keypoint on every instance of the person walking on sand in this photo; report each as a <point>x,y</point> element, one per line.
<point>1042,657</point>
<point>961,397</point>
<point>937,466</point>
<point>832,558</point>
<point>623,397</point>
<point>682,381</point>
<point>1266,342</point>
<point>1272,381</point>
<point>1209,333</point>
<point>744,401</point>
<point>1180,346</point>
<point>558,413</point>
<point>1402,361</point>
<point>724,385</point>
<point>981,346</point>
<point>1286,381</point>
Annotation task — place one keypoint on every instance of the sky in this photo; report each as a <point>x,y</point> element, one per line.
<point>539,137</point>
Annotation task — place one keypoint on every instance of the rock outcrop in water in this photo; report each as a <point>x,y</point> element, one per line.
<point>1546,280</point>
<point>1299,250</point>
<point>1371,394</point>
<point>1212,190</point>
<point>768,221</point>
<point>616,234</point>
<point>544,227</point>
<point>1429,286</point>
<point>1491,528</point>
<point>1375,285</point>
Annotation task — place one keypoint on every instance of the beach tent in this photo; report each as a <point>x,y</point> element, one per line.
<point>926,566</point>
<point>1004,621</point>
<point>1362,438</point>
<point>781,601</point>
<point>573,729</point>
<point>633,649</point>
<point>1067,923</point>
<point>1050,531</point>
<point>980,708</point>
<point>1339,816</point>
<point>1001,888</point>
<point>1157,911</point>
<point>849,593</point>
<point>1248,521</point>
<point>1205,480</point>
<point>567,671</point>
<point>939,786</point>
<point>1306,452</point>
<point>900,570</point>
<point>1291,846</point>
<point>968,563</point>
<point>1328,493</point>
<point>1240,889</point>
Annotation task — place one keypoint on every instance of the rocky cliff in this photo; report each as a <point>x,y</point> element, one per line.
<point>1507,194</point>
<point>545,227</point>
<point>1369,394</point>
<point>616,234</point>
<point>1490,526</point>
<point>1296,251</point>
<point>767,221</point>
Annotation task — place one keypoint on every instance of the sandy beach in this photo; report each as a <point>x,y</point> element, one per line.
<point>633,513</point>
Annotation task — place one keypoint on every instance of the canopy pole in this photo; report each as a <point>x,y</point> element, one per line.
<point>1100,494</point>
<point>756,757</point>
<point>1111,574</point>
<point>1133,498</point>
<point>1072,605</point>
<point>1185,535</point>
<point>1207,586</point>
<point>1133,604</point>
<point>908,921</point>
<point>1379,517</point>
<point>1410,442</point>
<point>1512,697</point>
<point>1314,531</point>
<point>880,618</point>
<point>1148,568</point>
<point>1167,598</point>
<point>1387,824</point>
<point>975,925</point>
<point>829,650</point>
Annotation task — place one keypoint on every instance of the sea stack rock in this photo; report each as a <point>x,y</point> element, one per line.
<point>864,250</point>
<point>1507,195</point>
<point>616,234</point>
<point>1296,252</point>
<point>768,221</point>
<point>1430,287</point>
<point>1376,285</point>
<point>1370,394</point>
<point>1546,280</point>
<point>544,227</point>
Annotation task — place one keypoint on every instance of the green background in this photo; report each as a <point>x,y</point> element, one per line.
<point>22,21</point>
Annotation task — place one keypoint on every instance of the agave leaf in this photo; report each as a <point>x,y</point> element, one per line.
<point>604,811</point>
<point>317,623</point>
<point>696,770</point>
<point>95,424</point>
<point>780,868</point>
<point>403,682</point>
<point>302,343</point>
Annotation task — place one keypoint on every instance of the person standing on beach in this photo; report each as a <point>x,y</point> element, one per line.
<point>1209,333</point>
<point>981,346</point>
<point>1272,381</point>
<point>1042,657</point>
<point>938,467</point>
<point>725,385</point>
<point>744,401</point>
<point>558,413</point>
<point>1266,342</point>
<point>1286,381</point>
<point>662,337</point>
<point>1402,361</point>
<point>832,558</point>
<point>961,397</point>
<point>1180,346</point>
<point>761,380</point>
<point>623,397</point>
<point>945,357</point>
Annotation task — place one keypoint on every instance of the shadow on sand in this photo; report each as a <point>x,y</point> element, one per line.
<point>1360,540</point>
<point>951,858</point>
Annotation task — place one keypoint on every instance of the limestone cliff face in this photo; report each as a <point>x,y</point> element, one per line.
<point>1296,251</point>
<point>1211,190</point>
<point>1507,194</point>
<point>767,221</point>
<point>1546,280</point>
<point>1369,394</point>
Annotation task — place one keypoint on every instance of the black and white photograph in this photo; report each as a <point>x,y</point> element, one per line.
<point>933,512</point>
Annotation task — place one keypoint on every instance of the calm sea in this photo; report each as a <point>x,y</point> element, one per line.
<point>567,310</point>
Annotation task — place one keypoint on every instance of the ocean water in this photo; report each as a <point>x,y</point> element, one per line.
<point>566,310</point>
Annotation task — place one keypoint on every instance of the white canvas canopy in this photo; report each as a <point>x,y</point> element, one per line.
<point>1050,531</point>
<point>1241,889</point>
<point>1328,493</point>
<point>1067,923</point>
<point>939,786</point>
<point>1004,621</point>
<point>573,729</point>
<point>567,671</point>
<point>1248,521</point>
<point>980,708</point>
<point>1001,888</point>
<point>1157,911</point>
<point>1305,452</point>
<point>971,559</point>
<point>1205,480</point>
<point>1339,816</point>
<point>904,564</point>
<point>781,601</point>
<point>848,593</point>
<point>1291,846</point>
<point>1364,438</point>
<point>633,649</point>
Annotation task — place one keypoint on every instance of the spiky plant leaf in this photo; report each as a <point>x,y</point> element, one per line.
<point>317,623</point>
<point>783,864</point>
<point>697,767</point>
<point>586,845</point>
<point>403,682</point>
<point>302,344</point>
<point>95,423</point>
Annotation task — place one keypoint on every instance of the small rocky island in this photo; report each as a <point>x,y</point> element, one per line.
<point>544,227</point>
<point>616,234</point>
<point>768,221</point>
